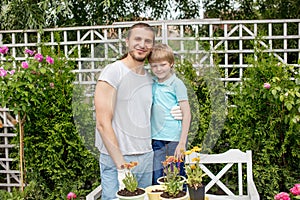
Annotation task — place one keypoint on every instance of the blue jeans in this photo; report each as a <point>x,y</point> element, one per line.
<point>109,174</point>
<point>161,150</point>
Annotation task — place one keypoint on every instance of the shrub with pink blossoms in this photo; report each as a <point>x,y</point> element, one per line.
<point>282,196</point>
<point>3,50</point>
<point>71,196</point>
<point>21,81</point>
<point>267,85</point>
<point>296,190</point>
<point>295,193</point>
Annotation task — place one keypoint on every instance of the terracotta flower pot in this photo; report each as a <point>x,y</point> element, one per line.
<point>154,191</point>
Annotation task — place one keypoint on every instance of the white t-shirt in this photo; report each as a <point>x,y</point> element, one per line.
<point>131,120</point>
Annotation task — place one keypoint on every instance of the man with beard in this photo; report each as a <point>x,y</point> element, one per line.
<point>123,99</point>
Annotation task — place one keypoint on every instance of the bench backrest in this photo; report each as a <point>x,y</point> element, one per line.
<point>229,158</point>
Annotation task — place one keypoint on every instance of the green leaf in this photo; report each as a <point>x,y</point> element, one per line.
<point>289,106</point>
<point>281,98</point>
<point>43,70</point>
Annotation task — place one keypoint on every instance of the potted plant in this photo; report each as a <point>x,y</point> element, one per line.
<point>194,175</point>
<point>131,190</point>
<point>172,181</point>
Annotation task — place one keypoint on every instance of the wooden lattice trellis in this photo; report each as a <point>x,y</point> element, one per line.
<point>9,173</point>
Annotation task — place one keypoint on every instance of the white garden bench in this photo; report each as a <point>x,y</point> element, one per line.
<point>229,158</point>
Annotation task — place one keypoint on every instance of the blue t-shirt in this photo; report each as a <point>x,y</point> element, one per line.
<point>165,96</point>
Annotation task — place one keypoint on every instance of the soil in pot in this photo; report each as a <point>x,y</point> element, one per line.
<point>167,196</point>
<point>125,192</point>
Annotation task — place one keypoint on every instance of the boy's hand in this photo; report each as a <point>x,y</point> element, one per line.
<point>176,113</point>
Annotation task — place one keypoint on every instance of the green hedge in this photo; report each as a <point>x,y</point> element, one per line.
<point>266,121</point>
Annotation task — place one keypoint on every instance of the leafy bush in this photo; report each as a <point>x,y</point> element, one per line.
<point>56,158</point>
<point>263,120</point>
<point>55,153</point>
<point>266,121</point>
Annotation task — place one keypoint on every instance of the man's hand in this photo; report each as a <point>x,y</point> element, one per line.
<point>176,113</point>
<point>121,176</point>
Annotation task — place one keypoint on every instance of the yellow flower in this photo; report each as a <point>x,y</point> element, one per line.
<point>194,171</point>
<point>187,152</point>
<point>193,167</point>
<point>196,149</point>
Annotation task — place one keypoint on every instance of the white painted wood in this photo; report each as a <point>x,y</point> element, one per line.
<point>231,157</point>
<point>95,194</point>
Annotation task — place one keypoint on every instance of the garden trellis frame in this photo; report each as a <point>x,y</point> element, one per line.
<point>205,42</point>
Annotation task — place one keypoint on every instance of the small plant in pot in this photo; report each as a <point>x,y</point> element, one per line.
<point>194,174</point>
<point>172,180</point>
<point>131,190</point>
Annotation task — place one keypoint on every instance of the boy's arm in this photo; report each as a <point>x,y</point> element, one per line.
<point>186,120</point>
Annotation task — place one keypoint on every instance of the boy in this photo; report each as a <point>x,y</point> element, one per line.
<point>169,136</point>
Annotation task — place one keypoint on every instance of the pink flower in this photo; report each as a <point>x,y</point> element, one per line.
<point>39,57</point>
<point>50,60</point>
<point>296,189</point>
<point>12,72</point>
<point>267,85</point>
<point>52,85</point>
<point>24,65</point>
<point>282,196</point>
<point>3,50</point>
<point>71,195</point>
<point>3,72</point>
<point>30,52</point>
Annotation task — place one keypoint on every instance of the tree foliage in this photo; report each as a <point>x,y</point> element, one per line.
<point>29,14</point>
<point>249,9</point>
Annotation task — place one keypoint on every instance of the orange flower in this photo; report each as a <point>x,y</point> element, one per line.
<point>129,165</point>
<point>170,159</point>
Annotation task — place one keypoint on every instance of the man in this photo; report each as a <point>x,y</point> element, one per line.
<point>123,99</point>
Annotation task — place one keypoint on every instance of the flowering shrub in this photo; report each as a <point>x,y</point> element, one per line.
<point>130,181</point>
<point>43,94</point>
<point>266,119</point>
<point>296,190</point>
<point>172,180</point>
<point>71,196</point>
<point>21,82</point>
<point>193,171</point>
<point>285,196</point>
<point>282,196</point>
